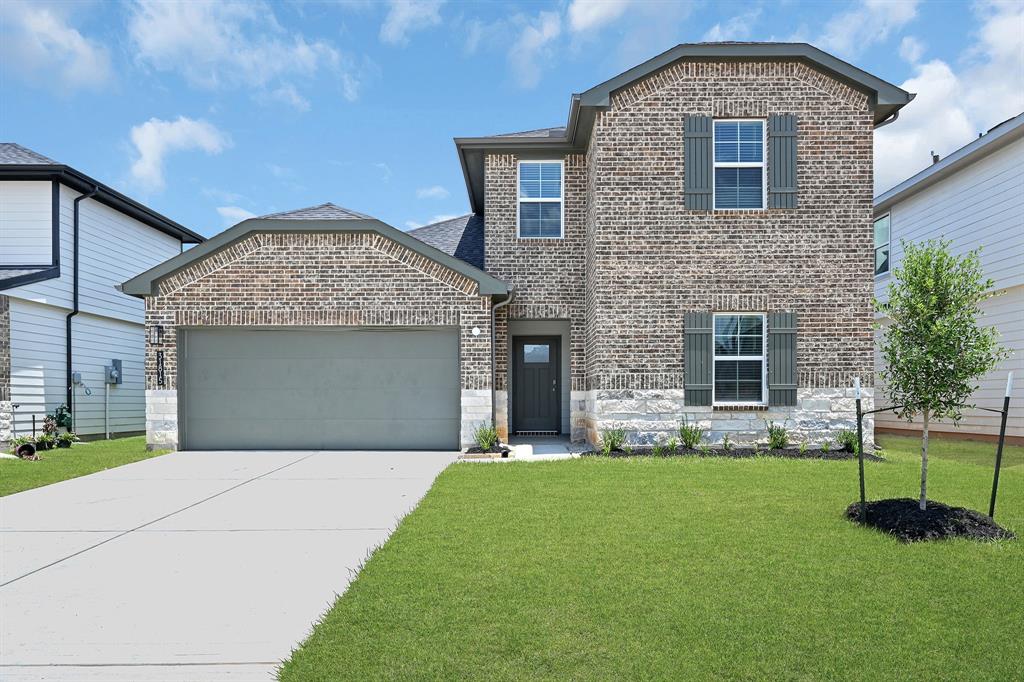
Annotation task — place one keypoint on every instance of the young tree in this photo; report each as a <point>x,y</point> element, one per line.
<point>933,347</point>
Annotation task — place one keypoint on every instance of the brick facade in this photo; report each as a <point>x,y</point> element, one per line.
<point>330,279</point>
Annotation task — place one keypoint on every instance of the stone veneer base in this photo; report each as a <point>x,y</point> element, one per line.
<point>6,421</point>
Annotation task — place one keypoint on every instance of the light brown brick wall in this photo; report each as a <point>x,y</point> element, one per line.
<point>650,259</point>
<point>335,279</point>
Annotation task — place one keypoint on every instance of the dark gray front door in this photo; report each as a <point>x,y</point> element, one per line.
<point>319,389</point>
<point>536,394</point>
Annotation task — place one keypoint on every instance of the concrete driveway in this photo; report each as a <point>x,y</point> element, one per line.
<point>194,565</point>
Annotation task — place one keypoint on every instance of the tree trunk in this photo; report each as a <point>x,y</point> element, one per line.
<point>924,463</point>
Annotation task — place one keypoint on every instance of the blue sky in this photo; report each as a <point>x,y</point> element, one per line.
<point>212,112</point>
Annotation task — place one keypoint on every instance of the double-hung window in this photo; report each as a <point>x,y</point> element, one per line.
<point>882,238</point>
<point>739,363</point>
<point>739,164</point>
<point>540,199</point>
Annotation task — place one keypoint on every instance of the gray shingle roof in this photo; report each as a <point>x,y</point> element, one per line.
<point>14,154</point>
<point>462,237</point>
<point>326,211</point>
<point>540,132</point>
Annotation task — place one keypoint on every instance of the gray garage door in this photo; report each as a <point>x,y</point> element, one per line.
<point>331,389</point>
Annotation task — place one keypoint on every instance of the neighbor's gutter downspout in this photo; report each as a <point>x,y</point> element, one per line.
<point>74,301</point>
<point>494,363</point>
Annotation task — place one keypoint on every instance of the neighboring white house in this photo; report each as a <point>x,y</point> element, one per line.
<point>975,198</point>
<point>117,238</point>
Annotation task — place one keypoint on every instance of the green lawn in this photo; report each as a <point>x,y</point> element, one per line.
<point>61,464</point>
<point>684,569</point>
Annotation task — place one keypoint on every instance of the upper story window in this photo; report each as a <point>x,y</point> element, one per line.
<point>882,245</point>
<point>540,199</point>
<point>739,179</point>
<point>739,367</point>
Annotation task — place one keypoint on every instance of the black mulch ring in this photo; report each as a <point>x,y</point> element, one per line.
<point>738,453</point>
<point>502,450</point>
<point>903,518</point>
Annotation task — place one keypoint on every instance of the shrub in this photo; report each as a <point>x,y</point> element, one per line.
<point>19,441</point>
<point>704,449</point>
<point>65,440</point>
<point>826,446</point>
<point>690,434</point>
<point>486,437</point>
<point>49,424</point>
<point>62,415</point>
<point>726,443</point>
<point>612,440</point>
<point>672,445</point>
<point>778,437</point>
<point>46,441</point>
<point>847,440</point>
<point>803,447</point>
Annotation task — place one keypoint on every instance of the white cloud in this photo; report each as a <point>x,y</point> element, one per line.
<point>233,215</point>
<point>408,16</point>
<point>412,224</point>
<point>385,171</point>
<point>587,15</point>
<point>434,192</point>
<point>217,45</point>
<point>911,49</point>
<point>40,40</point>
<point>870,21</point>
<point>533,43</point>
<point>953,106</point>
<point>155,139</point>
<point>738,27</point>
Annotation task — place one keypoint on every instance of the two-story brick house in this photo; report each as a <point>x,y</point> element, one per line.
<point>695,243</point>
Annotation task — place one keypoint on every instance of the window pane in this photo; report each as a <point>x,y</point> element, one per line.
<point>882,231</point>
<point>550,219</point>
<point>741,141</point>
<point>738,381</point>
<point>726,345</point>
<point>751,345</point>
<point>738,188</point>
<point>751,324</point>
<point>536,352</point>
<point>726,324</point>
<point>529,220</point>
<point>882,260</point>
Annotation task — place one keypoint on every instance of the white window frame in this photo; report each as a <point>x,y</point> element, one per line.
<point>763,164</point>
<point>549,200</point>
<point>763,358</point>
<point>874,249</point>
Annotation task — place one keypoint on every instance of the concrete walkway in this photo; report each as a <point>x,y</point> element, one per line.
<point>194,565</point>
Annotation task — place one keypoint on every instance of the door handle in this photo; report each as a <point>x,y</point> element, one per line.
<point>554,384</point>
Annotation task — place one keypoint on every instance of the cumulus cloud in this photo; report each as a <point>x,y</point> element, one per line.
<point>233,215</point>
<point>533,44</point>
<point>217,45</point>
<point>412,224</point>
<point>41,41</point>
<point>433,192</point>
<point>408,16</point>
<point>155,139</point>
<point>851,32</point>
<point>911,49</point>
<point>954,105</point>
<point>738,27</point>
<point>587,15</point>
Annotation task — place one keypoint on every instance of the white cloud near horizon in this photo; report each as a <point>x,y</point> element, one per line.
<point>233,215</point>
<point>531,46</point>
<point>413,224</point>
<point>954,104</point>
<point>868,22</point>
<point>588,15</point>
<point>408,16</point>
<point>432,192</point>
<point>739,27</point>
<point>40,40</point>
<point>155,139</point>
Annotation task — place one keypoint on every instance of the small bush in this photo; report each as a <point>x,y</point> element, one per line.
<point>690,434</point>
<point>65,440</point>
<point>672,445</point>
<point>847,440</point>
<point>46,441</point>
<point>50,425</point>
<point>803,448</point>
<point>486,437</point>
<point>612,440</point>
<point>726,443</point>
<point>825,447</point>
<point>778,436</point>
<point>704,448</point>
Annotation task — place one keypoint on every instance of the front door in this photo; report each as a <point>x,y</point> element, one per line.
<point>536,393</point>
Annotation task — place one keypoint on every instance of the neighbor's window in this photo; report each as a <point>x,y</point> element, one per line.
<point>882,245</point>
<point>739,164</point>
<point>739,370</point>
<point>540,199</point>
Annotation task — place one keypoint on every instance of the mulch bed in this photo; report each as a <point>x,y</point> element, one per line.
<point>902,518</point>
<point>737,453</point>
<point>501,450</point>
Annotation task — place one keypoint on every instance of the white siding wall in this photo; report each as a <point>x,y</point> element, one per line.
<point>981,206</point>
<point>112,249</point>
<point>26,229</point>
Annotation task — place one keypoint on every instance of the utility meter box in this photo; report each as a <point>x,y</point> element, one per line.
<point>113,371</point>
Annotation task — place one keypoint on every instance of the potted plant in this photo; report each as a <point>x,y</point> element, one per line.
<point>24,447</point>
<point>65,440</point>
<point>46,441</point>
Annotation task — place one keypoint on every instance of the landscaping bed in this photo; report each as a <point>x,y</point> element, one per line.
<point>735,452</point>
<point>501,450</point>
<point>903,518</point>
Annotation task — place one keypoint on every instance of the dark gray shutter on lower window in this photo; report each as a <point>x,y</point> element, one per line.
<point>697,163</point>
<point>698,354</point>
<point>782,359</point>
<point>782,161</point>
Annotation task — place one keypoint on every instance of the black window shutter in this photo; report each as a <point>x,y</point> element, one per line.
<point>782,161</point>
<point>697,163</point>
<point>698,354</point>
<point>782,359</point>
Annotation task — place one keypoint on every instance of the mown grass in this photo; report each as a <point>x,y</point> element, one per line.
<point>599,569</point>
<point>63,463</point>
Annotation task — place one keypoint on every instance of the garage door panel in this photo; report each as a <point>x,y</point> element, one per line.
<point>320,389</point>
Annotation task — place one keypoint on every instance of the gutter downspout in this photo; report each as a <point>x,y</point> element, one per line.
<point>887,121</point>
<point>74,302</point>
<point>494,363</point>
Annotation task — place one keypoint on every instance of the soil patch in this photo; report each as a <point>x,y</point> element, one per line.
<point>902,518</point>
<point>737,453</point>
<point>502,450</point>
